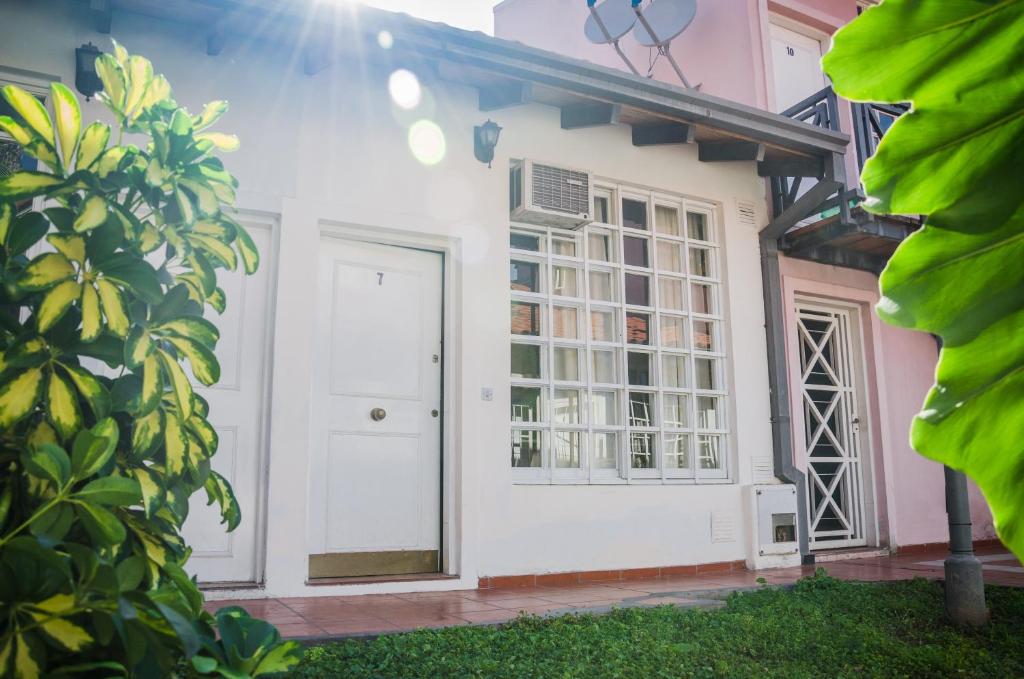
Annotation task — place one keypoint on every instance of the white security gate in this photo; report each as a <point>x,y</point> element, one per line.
<point>828,386</point>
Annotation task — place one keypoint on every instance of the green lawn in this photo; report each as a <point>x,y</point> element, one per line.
<point>820,628</point>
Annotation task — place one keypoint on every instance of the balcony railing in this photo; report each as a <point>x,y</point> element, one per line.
<point>870,123</point>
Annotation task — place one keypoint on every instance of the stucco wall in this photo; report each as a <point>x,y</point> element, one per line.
<point>330,152</point>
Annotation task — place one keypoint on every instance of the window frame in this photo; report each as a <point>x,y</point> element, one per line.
<point>588,430</point>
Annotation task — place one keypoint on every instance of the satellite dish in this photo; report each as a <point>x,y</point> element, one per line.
<point>665,19</point>
<point>609,21</point>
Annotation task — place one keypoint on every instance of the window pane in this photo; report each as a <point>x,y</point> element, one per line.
<point>606,450</point>
<point>524,276</point>
<point>641,451</point>
<point>601,246</point>
<point>697,226</point>
<point>567,364</point>
<point>677,451</point>
<point>604,408</point>
<point>638,289</point>
<point>700,262</point>
<point>567,449</point>
<point>703,298</point>
<point>638,328</point>
<point>526,318</point>
<point>670,256</point>
<point>566,321</point>
<point>565,406</point>
<point>709,451</point>
<point>666,220</point>
<point>677,410</point>
<point>673,332</point>
<point>602,210</point>
<point>634,213</point>
<point>602,325</point>
<point>670,294</point>
<point>526,241</point>
<point>526,448</point>
<point>641,409</point>
<point>564,246</point>
<point>526,361</point>
<point>526,404</point>
<point>602,286</point>
<point>605,370</point>
<point>673,370</point>
<point>704,336</point>
<point>638,368</point>
<point>634,251</point>
<point>565,281</point>
<point>706,372</point>
<point>709,413</point>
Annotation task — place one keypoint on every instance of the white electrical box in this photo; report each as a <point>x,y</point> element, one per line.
<point>774,516</point>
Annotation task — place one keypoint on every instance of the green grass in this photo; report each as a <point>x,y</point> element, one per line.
<point>820,628</point>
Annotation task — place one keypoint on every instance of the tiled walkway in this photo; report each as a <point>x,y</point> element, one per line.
<point>326,617</point>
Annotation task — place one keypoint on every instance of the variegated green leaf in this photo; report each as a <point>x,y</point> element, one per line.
<point>62,406</point>
<point>211,113</point>
<point>184,204</point>
<point>71,246</point>
<point>18,132</point>
<point>71,636</point>
<point>102,525</point>
<point>93,213</point>
<point>216,249</point>
<point>93,448</point>
<point>6,218</point>
<point>219,490</point>
<point>27,184</point>
<point>46,270</point>
<point>114,309</point>
<point>31,111</point>
<point>111,491</point>
<point>204,364</point>
<point>178,380</point>
<point>175,445</point>
<point>152,384</point>
<point>218,301</point>
<point>56,303</point>
<point>25,664</point>
<point>91,389</point>
<point>158,90</point>
<point>206,199</point>
<point>92,319</point>
<point>138,346</point>
<point>223,142</point>
<point>192,327</point>
<point>19,395</point>
<point>140,75</point>
<point>247,249</point>
<point>112,76</point>
<point>94,141</point>
<point>68,119</point>
<point>204,431</point>
<point>152,489</point>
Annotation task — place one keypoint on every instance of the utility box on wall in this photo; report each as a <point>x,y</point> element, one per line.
<point>773,510</point>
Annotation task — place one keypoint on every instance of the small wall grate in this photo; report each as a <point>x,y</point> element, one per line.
<point>746,212</point>
<point>723,527</point>
<point>560,189</point>
<point>762,469</point>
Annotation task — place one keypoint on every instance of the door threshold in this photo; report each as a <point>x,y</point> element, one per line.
<point>376,579</point>
<point>851,553</point>
<point>218,586</point>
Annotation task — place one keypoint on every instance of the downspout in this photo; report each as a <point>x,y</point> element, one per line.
<point>778,383</point>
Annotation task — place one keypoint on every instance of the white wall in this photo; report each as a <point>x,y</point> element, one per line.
<point>329,152</point>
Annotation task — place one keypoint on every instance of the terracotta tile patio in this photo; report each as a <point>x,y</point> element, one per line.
<point>373,614</point>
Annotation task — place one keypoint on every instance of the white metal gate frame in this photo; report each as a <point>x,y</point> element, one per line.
<point>843,373</point>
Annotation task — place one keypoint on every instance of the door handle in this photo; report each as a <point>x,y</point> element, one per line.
<point>378,414</point>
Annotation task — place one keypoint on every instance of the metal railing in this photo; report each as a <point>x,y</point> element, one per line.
<point>870,123</point>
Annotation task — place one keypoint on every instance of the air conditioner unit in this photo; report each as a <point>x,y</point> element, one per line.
<point>549,195</point>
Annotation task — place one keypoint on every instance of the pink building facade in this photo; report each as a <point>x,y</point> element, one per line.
<point>854,382</point>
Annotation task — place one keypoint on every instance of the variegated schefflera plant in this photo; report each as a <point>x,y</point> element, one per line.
<point>97,465</point>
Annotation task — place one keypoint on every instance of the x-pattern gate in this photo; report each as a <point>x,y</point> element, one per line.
<point>827,386</point>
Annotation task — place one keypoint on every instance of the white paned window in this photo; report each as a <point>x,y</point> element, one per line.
<point>618,363</point>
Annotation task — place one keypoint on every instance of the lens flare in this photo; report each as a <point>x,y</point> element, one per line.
<point>426,141</point>
<point>385,39</point>
<point>405,90</point>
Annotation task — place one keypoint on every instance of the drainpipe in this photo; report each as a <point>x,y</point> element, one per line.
<point>778,384</point>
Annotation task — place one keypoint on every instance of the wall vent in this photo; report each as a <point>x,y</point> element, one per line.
<point>550,195</point>
<point>762,469</point>
<point>723,527</point>
<point>746,212</point>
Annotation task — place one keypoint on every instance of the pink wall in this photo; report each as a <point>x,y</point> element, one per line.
<point>725,50</point>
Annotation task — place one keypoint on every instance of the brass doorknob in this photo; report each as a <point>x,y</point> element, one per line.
<point>378,414</point>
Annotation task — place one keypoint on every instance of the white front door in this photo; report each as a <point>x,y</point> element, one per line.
<point>796,66</point>
<point>830,370</point>
<point>375,483</point>
<point>237,414</point>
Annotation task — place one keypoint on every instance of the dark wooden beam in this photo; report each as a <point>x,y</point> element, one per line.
<point>593,114</point>
<point>102,14</point>
<point>653,134</point>
<point>494,97</point>
<point>791,167</point>
<point>727,151</point>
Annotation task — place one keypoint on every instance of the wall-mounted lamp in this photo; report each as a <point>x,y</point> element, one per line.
<point>87,81</point>
<point>485,138</point>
